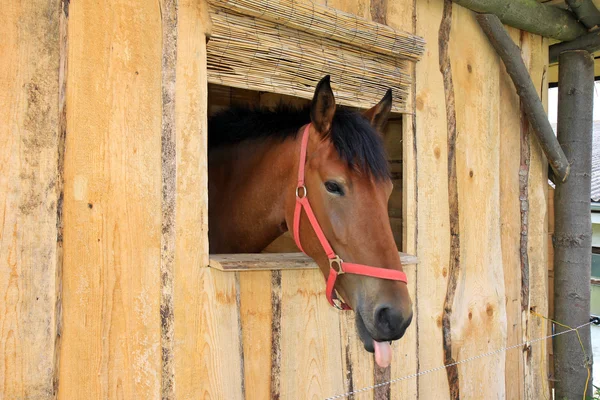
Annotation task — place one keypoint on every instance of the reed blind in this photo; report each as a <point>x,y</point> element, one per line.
<point>287,46</point>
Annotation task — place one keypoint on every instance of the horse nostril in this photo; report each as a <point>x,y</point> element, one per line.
<point>388,321</point>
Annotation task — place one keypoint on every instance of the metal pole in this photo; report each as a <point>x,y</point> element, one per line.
<point>573,230</point>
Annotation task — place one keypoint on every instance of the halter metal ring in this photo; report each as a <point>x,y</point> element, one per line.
<point>336,261</point>
<point>337,303</point>
<point>304,191</point>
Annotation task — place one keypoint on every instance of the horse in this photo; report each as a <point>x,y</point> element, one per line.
<point>264,164</point>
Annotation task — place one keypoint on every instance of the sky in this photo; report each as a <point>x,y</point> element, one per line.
<point>553,100</point>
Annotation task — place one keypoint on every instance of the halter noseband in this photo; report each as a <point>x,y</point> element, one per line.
<point>336,265</point>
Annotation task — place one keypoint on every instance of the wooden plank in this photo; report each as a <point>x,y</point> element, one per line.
<point>405,361</point>
<point>538,229</point>
<point>361,8</point>
<point>357,364</point>
<point>310,338</point>
<point>256,312</point>
<point>409,187</point>
<point>550,197</point>
<point>510,214</point>
<point>208,347</point>
<point>220,352</point>
<point>191,344</point>
<point>112,208</point>
<point>274,261</point>
<point>31,147</point>
<point>550,294</point>
<point>478,309</point>
<point>432,212</point>
<point>168,169</point>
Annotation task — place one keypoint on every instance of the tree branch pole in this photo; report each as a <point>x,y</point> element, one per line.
<point>572,239</point>
<point>589,42</point>
<point>530,16</point>
<point>586,12</point>
<point>510,54</point>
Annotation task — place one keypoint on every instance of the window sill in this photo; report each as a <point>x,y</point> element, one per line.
<point>274,261</point>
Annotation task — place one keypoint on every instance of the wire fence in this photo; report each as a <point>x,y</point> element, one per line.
<point>466,360</point>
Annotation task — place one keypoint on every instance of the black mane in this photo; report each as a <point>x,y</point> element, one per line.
<point>355,140</point>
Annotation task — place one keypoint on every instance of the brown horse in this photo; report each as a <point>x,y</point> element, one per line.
<point>253,165</point>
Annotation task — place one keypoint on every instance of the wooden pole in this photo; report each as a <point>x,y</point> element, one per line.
<point>589,42</point>
<point>511,55</point>
<point>586,12</point>
<point>573,231</point>
<point>530,16</point>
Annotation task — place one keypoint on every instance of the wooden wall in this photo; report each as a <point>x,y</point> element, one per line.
<point>103,239</point>
<point>31,144</point>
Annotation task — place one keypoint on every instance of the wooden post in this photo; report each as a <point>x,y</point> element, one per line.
<point>589,42</point>
<point>530,16</point>
<point>573,232</point>
<point>586,12</point>
<point>511,55</point>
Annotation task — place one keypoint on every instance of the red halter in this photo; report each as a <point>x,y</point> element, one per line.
<point>334,259</point>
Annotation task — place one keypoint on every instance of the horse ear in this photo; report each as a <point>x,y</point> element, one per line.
<point>379,114</point>
<point>322,107</point>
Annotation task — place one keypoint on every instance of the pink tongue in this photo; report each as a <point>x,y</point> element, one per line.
<point>383,353</point>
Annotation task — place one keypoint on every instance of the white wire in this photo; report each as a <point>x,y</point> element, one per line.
<point>428,371</point>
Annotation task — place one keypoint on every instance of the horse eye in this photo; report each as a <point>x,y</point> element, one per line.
<point>334,187</point>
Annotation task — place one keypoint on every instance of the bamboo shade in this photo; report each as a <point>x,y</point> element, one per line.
<point>330,23</point>
<point>259,53</point>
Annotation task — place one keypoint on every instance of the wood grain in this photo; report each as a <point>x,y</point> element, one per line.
<point>276,294</point>
<point>168,142</point>
<point>220,374</point>
<point>257,319</point>
<point>454,263</point>
<point>310,332</point>
<point>274,261</point>
<point>538,230</point>
<point>191,237</point>
<point>510,219</point>
<point>404,359</point>
<point>379,11</point>
<point>208,335</point>
<point>361,8</point>
<point>267,332</point>
<point>357,364</point>
<point>112,208</point>
<point>432,217</point>
<point>525,162</point>
<point>549,347</point>
<point>30,198</point>
<point>530,100</point>
<point>402,15</point>
<point>479,309</point>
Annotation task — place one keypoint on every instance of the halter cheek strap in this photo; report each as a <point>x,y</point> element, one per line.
<point>337,267</point>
